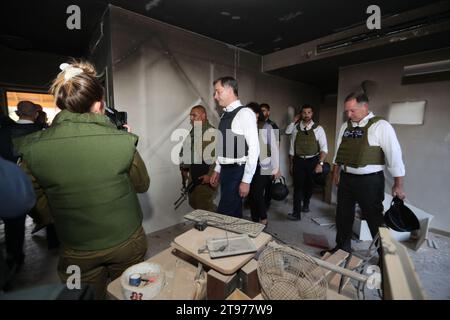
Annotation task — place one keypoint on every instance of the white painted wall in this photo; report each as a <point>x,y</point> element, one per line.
<point>159,73</point>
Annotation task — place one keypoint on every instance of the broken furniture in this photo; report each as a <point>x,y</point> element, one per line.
<point>330,269</point>
<point>226,273</point>
<point>192,240</point>
<point>337,282</point>
<point>400,281</point>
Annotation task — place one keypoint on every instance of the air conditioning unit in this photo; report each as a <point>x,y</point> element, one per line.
<point>393,31</point>
<point>425,72</point>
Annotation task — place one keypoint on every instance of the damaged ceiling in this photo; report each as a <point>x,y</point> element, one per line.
<point>261,27</point>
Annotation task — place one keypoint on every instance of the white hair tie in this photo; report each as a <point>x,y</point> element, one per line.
<point>70,71</point>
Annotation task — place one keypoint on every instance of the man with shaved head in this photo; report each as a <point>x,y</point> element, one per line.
<point>197,165</point>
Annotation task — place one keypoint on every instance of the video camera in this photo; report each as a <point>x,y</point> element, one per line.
<point>118,118</point>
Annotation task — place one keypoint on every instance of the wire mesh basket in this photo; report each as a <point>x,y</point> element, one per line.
<point>287,274</point>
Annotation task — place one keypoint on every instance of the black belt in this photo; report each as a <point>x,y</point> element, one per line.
<point>310,157</point>
<point>364,175</point>
<point>231,165</point>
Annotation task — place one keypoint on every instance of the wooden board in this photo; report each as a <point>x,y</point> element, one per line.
<point>400,280</point>
<point>336,279</point>
<point>333,295</point>
<point>180,275</point>
<point>336,258</point>
<point>192,240</point>
<point>348,291</point>
<point>238,295</point>
<point>219,286</point>
<point>248,276</point>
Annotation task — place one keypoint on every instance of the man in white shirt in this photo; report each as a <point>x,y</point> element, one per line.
<point>365,144</point>
<point>308,149</point>
<point>238,148</point>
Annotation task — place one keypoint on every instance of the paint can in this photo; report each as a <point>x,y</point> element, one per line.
<point>135,279</point>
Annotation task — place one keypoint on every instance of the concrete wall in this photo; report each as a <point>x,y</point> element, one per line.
<point>426,148</point>
<point>326,116</point>
<point>160,72</point>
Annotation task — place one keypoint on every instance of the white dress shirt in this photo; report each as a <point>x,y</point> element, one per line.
<point>244,123</point>
<point>24,121</point>
<point>318,132</point>
<point>270,165</point>
<point>381,134</point>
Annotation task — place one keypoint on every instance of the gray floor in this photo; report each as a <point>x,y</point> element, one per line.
<point>432,265</point>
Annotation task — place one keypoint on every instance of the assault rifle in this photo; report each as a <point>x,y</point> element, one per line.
<point>184,193</point>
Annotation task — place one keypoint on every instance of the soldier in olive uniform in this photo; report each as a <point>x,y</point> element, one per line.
<point>198,165</point>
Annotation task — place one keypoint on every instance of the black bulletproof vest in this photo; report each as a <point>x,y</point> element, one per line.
<point>231,141</point>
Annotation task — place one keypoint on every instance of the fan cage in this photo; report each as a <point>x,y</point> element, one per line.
<point>287,274</point>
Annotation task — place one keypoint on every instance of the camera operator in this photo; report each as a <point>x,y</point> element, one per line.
<point>86,174</point>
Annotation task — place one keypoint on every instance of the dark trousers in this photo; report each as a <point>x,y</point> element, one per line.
<point>368,192</point>
<point>268,192</point>
<point>230,201</point>
<point>303,184</point>
<point>258,209</point>
<point>14,238</point>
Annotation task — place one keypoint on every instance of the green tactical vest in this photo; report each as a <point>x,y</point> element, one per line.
<point>355,151</point>
<point>82,163</point>
<point>265,150</point>
<point>306,143</point>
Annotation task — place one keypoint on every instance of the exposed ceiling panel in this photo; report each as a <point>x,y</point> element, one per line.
<point>258,26</point>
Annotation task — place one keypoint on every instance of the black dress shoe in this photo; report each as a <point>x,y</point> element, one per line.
<point>293,216</point>
<point>305,208</point>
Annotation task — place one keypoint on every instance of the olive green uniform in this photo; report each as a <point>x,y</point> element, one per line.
<point>203,195</point>
<point>86,174</point>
